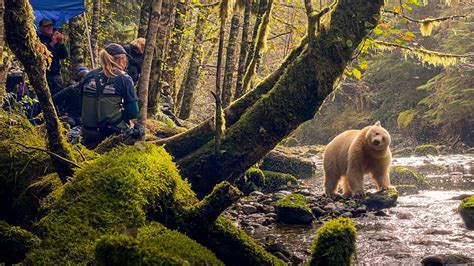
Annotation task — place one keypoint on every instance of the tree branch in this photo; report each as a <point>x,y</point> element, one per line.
<point>426,20</point>
<point>49,153</point>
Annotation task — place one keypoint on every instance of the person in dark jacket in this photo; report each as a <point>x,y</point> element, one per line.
<point>135,51</point>
<point>167,103</point>
<point>69,101</point>
<point>109,100</point>
<point>54,41</point>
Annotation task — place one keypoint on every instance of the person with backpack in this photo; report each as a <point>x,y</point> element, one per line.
<point>109,100</point>
<point>68,101</point>
<point>54,41</point>
<point>135,51</point>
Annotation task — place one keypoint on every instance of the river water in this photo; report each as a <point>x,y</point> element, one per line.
<point>421,225</point>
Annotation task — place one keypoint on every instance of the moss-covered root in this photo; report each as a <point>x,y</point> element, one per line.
<point>234,247</point>
<point>15,243</point>
<point>153,245</point>
<point>334,243</point>
<point>466,209</point>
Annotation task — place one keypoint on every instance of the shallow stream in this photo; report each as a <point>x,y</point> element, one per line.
<point>421,225</point>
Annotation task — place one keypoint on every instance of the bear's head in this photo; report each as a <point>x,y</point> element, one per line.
<point>377,137</point>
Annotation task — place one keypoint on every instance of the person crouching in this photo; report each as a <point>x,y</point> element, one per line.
<point>109,100</point>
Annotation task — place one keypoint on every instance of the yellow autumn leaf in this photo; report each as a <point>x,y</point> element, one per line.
<point>364,66</point>
<point>397,9</point>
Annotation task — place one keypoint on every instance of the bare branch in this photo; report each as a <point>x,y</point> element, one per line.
<point>50,153</point>
<point>426,20</point>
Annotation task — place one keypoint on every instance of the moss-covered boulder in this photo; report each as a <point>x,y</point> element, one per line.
<point>255,179</point>
<point>275,181</point>
<point>334,243</point>
<point>15,242</point>
<point>426,149</point>
<point>381,199</point>
<point>108,195</point>
<point>285,162</point>
<point>153,244</point>
<point>294,209</point>
<point>401,176</point>
<point>466,209</point>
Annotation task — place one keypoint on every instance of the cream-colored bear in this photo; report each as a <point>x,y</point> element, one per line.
<point>354,153</point>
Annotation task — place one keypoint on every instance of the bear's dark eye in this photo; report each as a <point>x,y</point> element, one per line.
<point>376,134</point>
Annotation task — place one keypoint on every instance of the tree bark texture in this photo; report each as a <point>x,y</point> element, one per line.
<point>175,51</point>
<point>96,4</point>
<point>76,36</point>
<point>150,43</point>
<point>243,52</point>
<point>262,5</point>
<point>258,49</point>
<point>145,11</point>
<point>294,98</point>
<point>190,80</point>
<point>167,15</point>
<point>4,58</point>
<point>183,144</point>
<point>22,40</point>
<point>230,58</point>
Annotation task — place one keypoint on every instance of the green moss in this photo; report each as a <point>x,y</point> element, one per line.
<point>426,149</point>
<point>466,209</point>
<point>228,238</point>
<point>401,175</point>
<point>154,244</point>
<point>161,129</point>
<point>294,209</point>
<point>334,243</point>
<point>109,194</point>
<point>252,180</point>
<point>18,165</point>
<point>14,243</point>
<point>294,200</point>
<point>275,180</point>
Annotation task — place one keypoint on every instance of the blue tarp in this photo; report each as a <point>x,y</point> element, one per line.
<point>61,11</point>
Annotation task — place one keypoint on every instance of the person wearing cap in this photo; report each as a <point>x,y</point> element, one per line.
<point>167,103</point>
<point>135,51</point>
<point>54,41</point>
<point>109,100</point>
<point>68,101</point>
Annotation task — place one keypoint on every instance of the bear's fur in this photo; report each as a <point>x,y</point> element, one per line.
<point>354,153</point>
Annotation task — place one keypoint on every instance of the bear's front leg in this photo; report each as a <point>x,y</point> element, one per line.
<point>382,178</point>
<point>355,177</point>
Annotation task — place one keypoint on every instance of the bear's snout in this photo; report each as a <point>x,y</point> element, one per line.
<point>376,142</point>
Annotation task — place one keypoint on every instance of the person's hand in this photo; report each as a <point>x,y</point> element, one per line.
<point>58,36</point>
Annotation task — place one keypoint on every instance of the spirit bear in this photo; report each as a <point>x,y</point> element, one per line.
<point>354,153</point>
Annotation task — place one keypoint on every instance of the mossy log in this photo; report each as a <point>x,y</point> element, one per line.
<point>279,161</point>
<point>15,242</point>
<point>294,99</point>
<point>123,190</point>
<point>185,143</point>
<point>22,40</point>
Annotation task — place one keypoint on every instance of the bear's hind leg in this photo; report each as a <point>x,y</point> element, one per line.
<point>330,184</point>
<point>346,190</point>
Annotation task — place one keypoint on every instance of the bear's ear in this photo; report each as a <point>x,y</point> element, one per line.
<point>377,124</point>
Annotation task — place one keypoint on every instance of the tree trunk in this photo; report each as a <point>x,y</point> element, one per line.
<point>4,58</point>
<point>243,52</point>
<point>262,5</point>
<point>172,60</point>
<point>95,29</point>
<point>190,80</point>
<point>258,49</point>
<point>294,99</point>
<point>144,18</point>
<point>24,43</point>
<point>167,14</point>
<point>230,58</point>
<point>184,144</point>
<point>144,80</point>
<point>76,36</point>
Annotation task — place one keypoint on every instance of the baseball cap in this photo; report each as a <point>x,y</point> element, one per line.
<point>46,22</point>
<point>164,84</point>
<point>115,49</point>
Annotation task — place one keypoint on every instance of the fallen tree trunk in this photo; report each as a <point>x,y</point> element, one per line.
<point>185,143</point>
<point>294,99</point>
